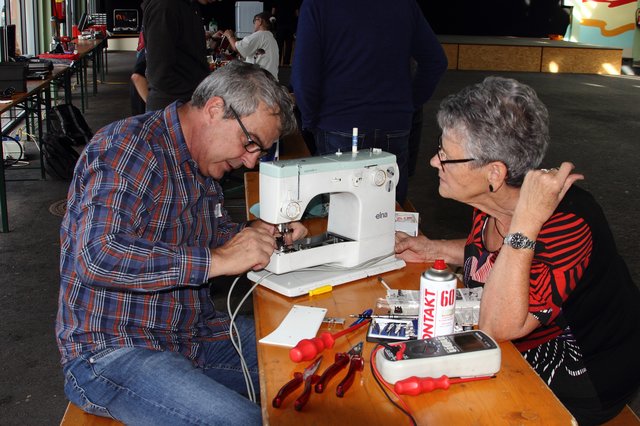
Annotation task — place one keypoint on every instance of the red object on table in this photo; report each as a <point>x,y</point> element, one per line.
<point>98,28</point>
<point>307,349</point>
<point>69,56</point>
<point>308,377</point>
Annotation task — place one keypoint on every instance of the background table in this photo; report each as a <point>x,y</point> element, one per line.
<point>31,101</point>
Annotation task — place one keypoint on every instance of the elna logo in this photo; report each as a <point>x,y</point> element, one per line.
<point>382,215</point>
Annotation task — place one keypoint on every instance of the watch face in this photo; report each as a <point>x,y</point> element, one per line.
<point>517,241</point>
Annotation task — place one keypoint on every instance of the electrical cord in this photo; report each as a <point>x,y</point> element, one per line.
<point>12,162</point>
<point>401,405</point>
<point>233,333</point>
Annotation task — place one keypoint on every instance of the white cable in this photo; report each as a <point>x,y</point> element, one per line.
<point>233,330</point>
<point>238,345</point>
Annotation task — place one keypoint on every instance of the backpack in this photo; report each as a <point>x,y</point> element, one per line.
<point>68,120</point>
<point>59,157</point>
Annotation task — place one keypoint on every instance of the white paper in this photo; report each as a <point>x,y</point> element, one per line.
<point>407,222</point>
<point>302,322</point>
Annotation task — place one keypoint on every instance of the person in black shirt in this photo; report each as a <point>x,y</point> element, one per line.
<point>176,51</point>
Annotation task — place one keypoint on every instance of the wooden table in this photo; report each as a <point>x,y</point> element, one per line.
<point>31,102</point>
<point>94,50</point>
<point>516,396</point>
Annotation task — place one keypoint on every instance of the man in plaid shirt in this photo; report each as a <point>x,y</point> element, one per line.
<point>145,231</point>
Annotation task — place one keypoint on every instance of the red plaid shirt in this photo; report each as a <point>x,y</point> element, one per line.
<point>135,243</point>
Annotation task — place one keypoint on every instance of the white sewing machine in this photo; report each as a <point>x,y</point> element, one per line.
<point>361,207</point>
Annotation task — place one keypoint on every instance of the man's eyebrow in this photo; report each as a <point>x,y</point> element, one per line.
<point>256,139</point>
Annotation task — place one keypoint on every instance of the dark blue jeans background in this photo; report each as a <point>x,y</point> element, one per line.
<point>392,141</point>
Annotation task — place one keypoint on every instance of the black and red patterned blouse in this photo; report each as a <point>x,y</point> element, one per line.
<point>583,296</point>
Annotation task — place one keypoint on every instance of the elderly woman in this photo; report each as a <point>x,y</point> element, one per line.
<point>541,247</point>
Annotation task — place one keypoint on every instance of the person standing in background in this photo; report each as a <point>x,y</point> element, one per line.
<point>260,47</point>
<point>349,73</point>
<point>285,13</point>
<point>139,87</point>
<point>175,48</point>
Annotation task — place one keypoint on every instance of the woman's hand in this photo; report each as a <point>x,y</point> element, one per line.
<point>422,249</point>
<point>542,191</point>
<point>411,249</point>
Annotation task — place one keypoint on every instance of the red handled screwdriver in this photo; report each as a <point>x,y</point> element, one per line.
<point>307,349</point>
<point>417,385</point>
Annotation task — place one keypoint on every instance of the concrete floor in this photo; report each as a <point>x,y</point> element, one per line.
<point>594,124</point>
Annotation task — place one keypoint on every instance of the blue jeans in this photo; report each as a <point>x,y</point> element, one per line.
<point>147,387</point>
<point>394,141</point>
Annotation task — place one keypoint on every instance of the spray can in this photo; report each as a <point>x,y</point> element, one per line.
<point>437,301</point>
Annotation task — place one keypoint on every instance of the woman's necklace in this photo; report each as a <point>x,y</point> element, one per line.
<point>495,224</point>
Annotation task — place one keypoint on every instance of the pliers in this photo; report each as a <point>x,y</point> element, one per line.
<point>308,377</point>
<point>341,360</point>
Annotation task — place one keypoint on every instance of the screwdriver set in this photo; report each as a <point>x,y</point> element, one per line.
<point>392,329</point>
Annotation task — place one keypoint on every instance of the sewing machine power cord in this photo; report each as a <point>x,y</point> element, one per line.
<point>234,335</point>
<point>235,338</point>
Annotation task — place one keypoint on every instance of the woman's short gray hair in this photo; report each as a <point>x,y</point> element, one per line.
<point>503,120</point>
<point>243,86</point>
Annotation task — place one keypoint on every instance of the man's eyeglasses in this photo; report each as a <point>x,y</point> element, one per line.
<point>443,158</point>
<point>251,146</point>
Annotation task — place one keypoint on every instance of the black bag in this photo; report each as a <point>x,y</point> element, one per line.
<point>59,157</point>
<point>68,120</point>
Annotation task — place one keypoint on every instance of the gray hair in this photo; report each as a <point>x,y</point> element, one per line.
<point>503,120</point>
<point>243,86</point>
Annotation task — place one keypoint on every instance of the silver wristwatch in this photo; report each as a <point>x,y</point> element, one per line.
<point>519,241</point>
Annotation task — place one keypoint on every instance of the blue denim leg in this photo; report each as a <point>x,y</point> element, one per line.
<point>394,141</point>
<point>145,387</point>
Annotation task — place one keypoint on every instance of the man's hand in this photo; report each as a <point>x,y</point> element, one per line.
<point>296,230</point>
<point>251,248</point>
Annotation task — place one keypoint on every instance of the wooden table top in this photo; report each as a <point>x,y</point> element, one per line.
<point>515,396</point>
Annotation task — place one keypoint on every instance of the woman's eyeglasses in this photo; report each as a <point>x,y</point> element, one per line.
<point>251,146</point>
<point>442,157</point>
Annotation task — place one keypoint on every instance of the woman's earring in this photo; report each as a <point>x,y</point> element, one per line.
<point>490,188</point>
